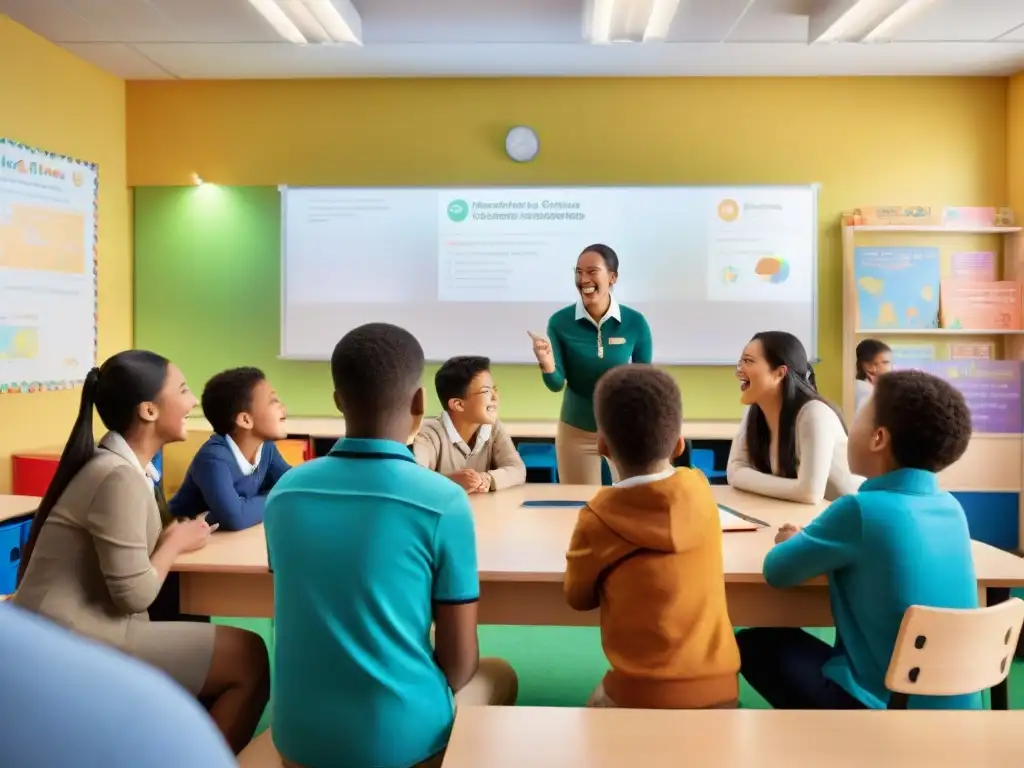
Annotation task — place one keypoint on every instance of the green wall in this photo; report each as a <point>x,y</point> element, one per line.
<point>207,295</point>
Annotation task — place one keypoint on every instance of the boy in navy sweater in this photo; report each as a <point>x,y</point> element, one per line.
<point>237,467</point>
<point>899,541</point>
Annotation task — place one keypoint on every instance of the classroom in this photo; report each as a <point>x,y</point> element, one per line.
<point>207,144</point>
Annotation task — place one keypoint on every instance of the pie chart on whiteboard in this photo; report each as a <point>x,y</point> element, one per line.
<point>772,269</point>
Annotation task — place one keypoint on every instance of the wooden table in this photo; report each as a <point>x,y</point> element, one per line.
<point>512,737</point>
<point>334,427</point>
<point>17,506</point>
<point>521,554</point>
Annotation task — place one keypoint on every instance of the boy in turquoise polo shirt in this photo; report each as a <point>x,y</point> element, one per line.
<point>367,549</point>
<point>899,541</point>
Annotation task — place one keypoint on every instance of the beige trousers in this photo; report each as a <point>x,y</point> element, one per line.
<point>599,700</point>
<point>494,684</point>
<point>579,463</point>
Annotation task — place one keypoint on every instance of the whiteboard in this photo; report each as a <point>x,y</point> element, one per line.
<point>48,241</point>
<point>470,270</point>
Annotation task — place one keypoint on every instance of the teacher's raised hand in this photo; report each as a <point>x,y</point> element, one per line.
<point>542,351</point>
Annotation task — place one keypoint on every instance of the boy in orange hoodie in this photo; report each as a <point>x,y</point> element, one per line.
<point>648,552</point>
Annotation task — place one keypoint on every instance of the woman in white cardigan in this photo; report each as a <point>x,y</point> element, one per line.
<point>791,443</point>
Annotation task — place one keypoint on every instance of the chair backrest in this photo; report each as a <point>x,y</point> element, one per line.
<point>946,652</point>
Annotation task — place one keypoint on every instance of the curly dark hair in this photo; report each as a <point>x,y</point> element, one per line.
<point>228,394</point>
<point>376,368</point>
<point>927,418</point>
<point>639,411</point>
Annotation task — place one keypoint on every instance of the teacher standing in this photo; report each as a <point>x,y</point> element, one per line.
<point>584,340</point>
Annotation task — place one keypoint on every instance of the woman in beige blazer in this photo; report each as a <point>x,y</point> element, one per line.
<point>99,552</point>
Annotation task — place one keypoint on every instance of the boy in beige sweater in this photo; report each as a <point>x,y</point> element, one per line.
<point>467,442</point>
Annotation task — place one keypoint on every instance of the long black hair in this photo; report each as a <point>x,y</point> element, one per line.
<point>867,351</point>
<point>799,387</point>
<point>125,381</point>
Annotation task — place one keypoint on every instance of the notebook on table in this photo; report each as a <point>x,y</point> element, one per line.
<point>733,521</point>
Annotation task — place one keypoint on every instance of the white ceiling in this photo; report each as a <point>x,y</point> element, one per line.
<point>223,39</point>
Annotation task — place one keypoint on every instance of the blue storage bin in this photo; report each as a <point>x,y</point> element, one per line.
<point>158,465</point>
<point>26,530</point>
<point>704,460</point>
<point>540,456</point>
<point>10,556</point>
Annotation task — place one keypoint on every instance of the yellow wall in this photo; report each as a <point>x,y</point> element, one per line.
<point>866,140</point>
<point>54,101</point>
<point>1015,144</point>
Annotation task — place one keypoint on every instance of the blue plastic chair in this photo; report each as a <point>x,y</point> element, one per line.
<point>704,460</point>
<point>540,457</point>
<point>158,464</point>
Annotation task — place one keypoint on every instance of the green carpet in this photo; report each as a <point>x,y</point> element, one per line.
<point>560,666</point>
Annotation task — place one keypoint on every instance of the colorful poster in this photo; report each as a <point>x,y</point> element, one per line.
<point>47,269</point>
<point>972,306</point>
<point>897,287</point>
<point>979,266</point>
<point>992,389</point>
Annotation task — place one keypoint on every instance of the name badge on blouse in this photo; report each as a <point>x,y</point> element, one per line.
<point>616,340</point>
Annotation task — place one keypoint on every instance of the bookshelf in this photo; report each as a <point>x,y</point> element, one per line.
<point>1006,242</point>
<point>989,478</point>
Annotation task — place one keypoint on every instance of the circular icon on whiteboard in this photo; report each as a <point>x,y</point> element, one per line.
<point>728,210</point>
<point>458,210</point>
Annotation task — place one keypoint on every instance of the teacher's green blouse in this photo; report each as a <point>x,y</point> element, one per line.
<point>584,349</point>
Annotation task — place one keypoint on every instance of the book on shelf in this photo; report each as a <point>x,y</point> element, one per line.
<point>982,306</point>
<point>897,288</point>
<point>894,216</point>
<point>967,216</point>
<point>979,266</point>
<point>972,351</point>
<point>908,355</point>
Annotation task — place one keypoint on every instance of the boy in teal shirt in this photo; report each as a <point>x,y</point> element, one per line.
<point>899,541</point>
<point>368,549</point>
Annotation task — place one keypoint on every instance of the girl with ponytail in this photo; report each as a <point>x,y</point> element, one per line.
<point>99,552</point>
<point>792,442</point>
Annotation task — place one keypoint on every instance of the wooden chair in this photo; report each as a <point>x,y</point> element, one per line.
<point>945,652</point>
<point>261,753</point>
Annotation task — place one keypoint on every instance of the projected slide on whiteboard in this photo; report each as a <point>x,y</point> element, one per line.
<point>469,271</point>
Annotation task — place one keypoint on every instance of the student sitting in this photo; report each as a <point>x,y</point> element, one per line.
<point>368,548</point>
<point>467,443</point>
<point>898,542</point>
<point>98,553</point>
<point>113,711</point>
<point>648,551</point>
<point>874,358</point>
<point>235,469</point>
<point>791,443</point>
